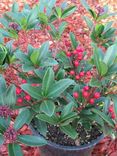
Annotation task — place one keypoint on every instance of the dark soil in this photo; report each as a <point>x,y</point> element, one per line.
<point>85,136</point>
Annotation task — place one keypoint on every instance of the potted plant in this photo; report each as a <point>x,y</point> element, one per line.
<point>68,99</point>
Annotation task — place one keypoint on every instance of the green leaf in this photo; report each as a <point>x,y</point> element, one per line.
<point>93,13</point>
<point>49,62</point>
<point>73,40</point>
<point>14,150</point>
<point>46,118</point>
<point>41,127</point>
<point>67,12</point>
<point>44,51</point>
<point>62,27</point>
<point>67,109</point>
<point>95,83</point>
<point>85,4</point>
<point>28,67</point>
<point>33,15</point>
<point>3,124</point>
<point>110,55</point>
<point>48,81</point>
<point>43,18</point>
<point>21,119</point>
<point>70,131</point>
<point>58,12</point>
<point>32,140</point>
<point>10,96</point>
<point>88,22</point>
<point>104,116</point>
<point>107,26</point>
<point>3,53</point>
<point>59,87</point>
<point>2,84</point>
<point>1,139</point>
<point>35,92</point>
<point>103,68</point>
<point>47,107</point>
<point>97,58</point>
<point>15,7</point>
<point>99,28</point>
<point>114,98</point>
<point>34,57</point>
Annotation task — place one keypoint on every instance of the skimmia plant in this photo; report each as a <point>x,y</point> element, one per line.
<point>56,87</point>
<point>102,33</point>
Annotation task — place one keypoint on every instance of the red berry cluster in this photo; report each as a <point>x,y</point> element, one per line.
<point>10,135</point>
<point>77,56</point>
<point>111,111</point>
<point>24,96</point>
<point>5,111</point>
<point>88,95</point>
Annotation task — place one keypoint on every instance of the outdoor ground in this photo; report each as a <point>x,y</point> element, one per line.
<point>106,147</point>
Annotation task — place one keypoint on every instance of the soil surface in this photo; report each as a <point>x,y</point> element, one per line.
<point>54,134</point>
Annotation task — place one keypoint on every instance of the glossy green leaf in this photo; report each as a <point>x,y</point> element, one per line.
<point>103,68</point>
<point>114,98</point>
<point>3,53</point>
<point>32,140</point>
<point>85,4</point>
<point>67,12</point>
<point>67,109</point>
<point>34,57</point>
<point>62,27</point>
<point>88,22</point>
<point>110,55</point>
<point>10,96</point>
<point>1,139</point>
<point>15,7</point>
<point>47,107</point>
<point>104,116</point>
<point>14,150</point>
<point>47,119</point>
<point>59,87</point>
<point>48,81</point>
<point>70,131</point>
<point>73,40</point>
<point>2,84</point>
<point>21,119</point>
<point>58,12</point>
<point>44,51</point>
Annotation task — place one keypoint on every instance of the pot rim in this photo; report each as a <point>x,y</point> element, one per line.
<point>73,148</point>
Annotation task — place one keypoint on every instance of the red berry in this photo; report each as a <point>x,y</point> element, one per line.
<point>80,57</point>
<point>113,116</point>
<point>19,100</point>
<point>24,81</point>
<point>18,91</point>
<point>68,54</point>
<point>88,73</point>
<point>79,49</point>
<point>77,77</point>
<point>85,94</point>
<point>86,88</point>
<point>81,73</point>
<point>110,109</point>
<point>92,101</point>
<point>76,63</point>
<point>75,95</point>
<point>74,52</point>
<point>97,95</point>
<point>27,97</point>
<point>72,72</point>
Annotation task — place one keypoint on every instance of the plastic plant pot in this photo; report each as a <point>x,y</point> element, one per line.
<point>53,149</point>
